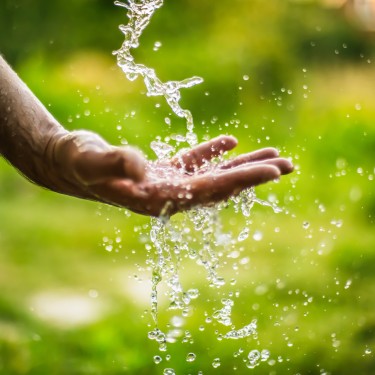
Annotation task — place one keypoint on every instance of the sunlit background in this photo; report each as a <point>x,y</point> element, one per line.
<point>298,75</point>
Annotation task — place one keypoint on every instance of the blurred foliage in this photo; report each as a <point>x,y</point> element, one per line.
<point>309,282</point>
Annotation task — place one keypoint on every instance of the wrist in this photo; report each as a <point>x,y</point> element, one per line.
<point>45,171</point>
<point>59,168</point>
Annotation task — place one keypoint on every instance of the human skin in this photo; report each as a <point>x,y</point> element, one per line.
<point>82,164</point>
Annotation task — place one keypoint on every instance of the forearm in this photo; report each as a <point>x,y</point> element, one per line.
<point>26,129</point>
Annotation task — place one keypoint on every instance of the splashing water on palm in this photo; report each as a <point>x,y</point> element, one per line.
<point>170,244</point>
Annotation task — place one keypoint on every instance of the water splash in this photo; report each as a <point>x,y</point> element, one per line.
<point>224,315</point>
<point>255,357</point>
<point>247,331</point>
<point>170,243</point>
<point>140,13</point>
<point>196,236</point>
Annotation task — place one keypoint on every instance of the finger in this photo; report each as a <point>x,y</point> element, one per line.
<point>196,157</point>
<point>258,155</point>
<point>208,189</point>
<point>284,165</point>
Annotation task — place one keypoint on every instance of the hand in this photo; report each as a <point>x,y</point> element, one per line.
<point>122,177</point>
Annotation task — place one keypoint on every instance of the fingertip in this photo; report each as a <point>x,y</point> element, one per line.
<point>271,172</point>
<point>224,143</point>
<point>272,152</point>
<point>289,166</point>
<point>286,166</point>
<point>228,141</point>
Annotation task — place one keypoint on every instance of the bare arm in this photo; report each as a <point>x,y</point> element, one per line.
<point>82,164</point>
<point>33,141</point>
<point>26,128</point>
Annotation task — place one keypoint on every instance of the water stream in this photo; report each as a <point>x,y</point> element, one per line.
<point>199,235</point>
<point>140,14</point>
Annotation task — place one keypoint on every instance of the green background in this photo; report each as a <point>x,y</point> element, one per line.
<point>309,282</point>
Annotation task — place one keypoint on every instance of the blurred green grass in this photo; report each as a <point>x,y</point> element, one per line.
<point>309,282</point>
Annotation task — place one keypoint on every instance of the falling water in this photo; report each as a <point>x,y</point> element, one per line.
<point>140,14</point>
<point>199,236</point>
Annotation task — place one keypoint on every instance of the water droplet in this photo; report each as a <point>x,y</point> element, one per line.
<point>157,45</point>
<point>216,363</point>
<point>258,235</point>
<point>337,223</point>
<point>109,248</point>
<point>191,357</point>
<point>233,282</point>
<point>243,235</point>
<point>193,293</point>
<point>265,355</point>
<point>254,358</point>
<point>306,225</point>
<point>157,359</point>
<point>131,76</point>
<point>169,371</point>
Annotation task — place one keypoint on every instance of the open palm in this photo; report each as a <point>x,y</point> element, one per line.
<point>93,169</point>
